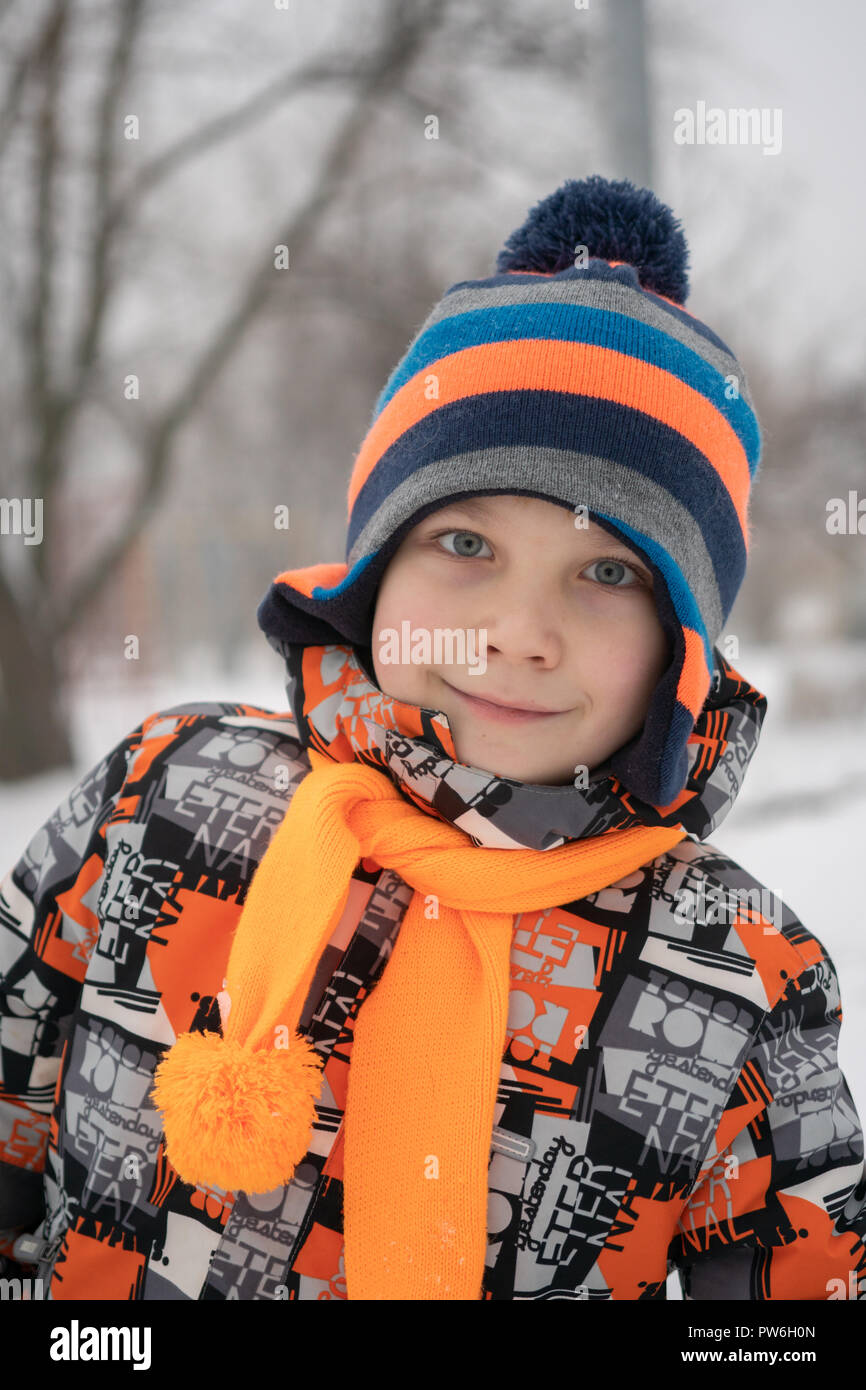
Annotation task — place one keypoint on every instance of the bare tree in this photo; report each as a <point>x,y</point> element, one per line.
<point>35,615</point>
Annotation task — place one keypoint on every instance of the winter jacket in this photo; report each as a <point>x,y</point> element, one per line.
<point>670,1094</point>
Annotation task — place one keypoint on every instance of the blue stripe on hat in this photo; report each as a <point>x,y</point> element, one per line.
<point>597,269</point>
<point>577,323</point>
<point>339,589</point>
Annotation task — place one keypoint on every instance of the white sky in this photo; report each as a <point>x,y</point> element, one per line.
<point>807,203</point>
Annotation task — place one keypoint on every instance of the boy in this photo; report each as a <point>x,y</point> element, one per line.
<point>487,1019</point>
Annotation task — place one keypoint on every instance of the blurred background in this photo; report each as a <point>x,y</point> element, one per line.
<point>169,382</point>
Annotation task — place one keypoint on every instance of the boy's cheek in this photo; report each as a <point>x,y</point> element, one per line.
<point>423,612</point>
<point>627,689</point>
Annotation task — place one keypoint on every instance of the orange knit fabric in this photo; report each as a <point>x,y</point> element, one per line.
<point>428,1040</point>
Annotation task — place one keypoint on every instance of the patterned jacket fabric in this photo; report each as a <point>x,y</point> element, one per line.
<point>670,1095</point>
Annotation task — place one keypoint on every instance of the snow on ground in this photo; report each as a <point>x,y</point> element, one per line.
<point>799,825</point>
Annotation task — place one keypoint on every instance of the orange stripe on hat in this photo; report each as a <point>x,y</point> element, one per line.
<point>694,682</point>
<point>310,577</point>
<point>569,367</point>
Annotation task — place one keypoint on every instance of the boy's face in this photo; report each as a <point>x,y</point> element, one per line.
<point>564,630</point>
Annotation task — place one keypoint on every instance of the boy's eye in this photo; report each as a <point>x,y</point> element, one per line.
<point>464,544</point>
<point>613,569</point>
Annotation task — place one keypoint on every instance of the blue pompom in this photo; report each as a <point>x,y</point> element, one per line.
<point>615,221</point>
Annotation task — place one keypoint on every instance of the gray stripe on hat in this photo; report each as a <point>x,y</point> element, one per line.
<point>596,294</point>
<point>598,483</point>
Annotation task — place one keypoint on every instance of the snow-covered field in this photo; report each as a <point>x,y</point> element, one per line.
<point>799,825</point>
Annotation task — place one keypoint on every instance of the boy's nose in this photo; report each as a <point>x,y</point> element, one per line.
<point>524,634</point>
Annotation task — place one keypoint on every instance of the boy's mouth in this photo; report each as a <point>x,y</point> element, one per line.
<point>501,712</point>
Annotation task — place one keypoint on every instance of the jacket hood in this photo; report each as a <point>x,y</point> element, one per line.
<point>342,712</point>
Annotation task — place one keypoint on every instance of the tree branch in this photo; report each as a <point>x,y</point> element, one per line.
<point>404,37</point>
<point>36,319</point>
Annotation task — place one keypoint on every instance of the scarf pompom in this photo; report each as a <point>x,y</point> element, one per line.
<point>237,1119</point>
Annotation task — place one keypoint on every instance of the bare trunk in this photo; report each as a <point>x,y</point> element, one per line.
<point>34,733</point>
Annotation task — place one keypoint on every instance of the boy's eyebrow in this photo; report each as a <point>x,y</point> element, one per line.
<point>481,506</point>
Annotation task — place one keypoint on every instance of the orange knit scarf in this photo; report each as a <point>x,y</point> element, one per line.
<point>428,1040</point>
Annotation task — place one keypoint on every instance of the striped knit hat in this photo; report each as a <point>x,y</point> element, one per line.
<point>574,374</point>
